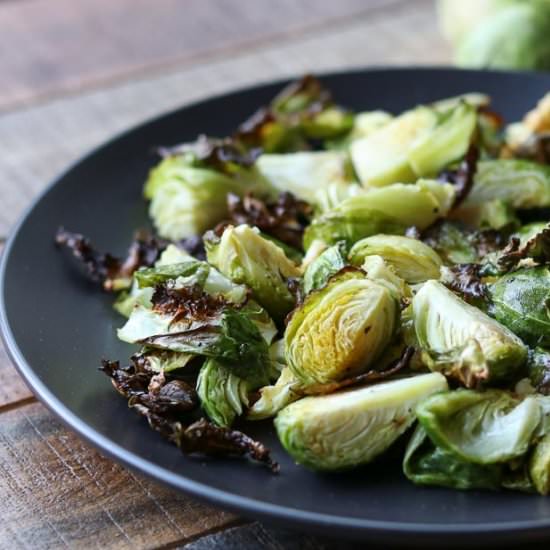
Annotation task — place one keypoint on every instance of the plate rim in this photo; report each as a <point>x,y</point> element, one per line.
<point>314,521</point>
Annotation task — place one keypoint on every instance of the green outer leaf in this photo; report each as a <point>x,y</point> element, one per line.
<point>539,466</point>
<point>152,276</point>
<point>520,302</point>
<point>390,209</point>
<point>327,264</point>
<point>426,464</point>
<point>520,183</point>
<point>221,392</point>
<point>480,427</point>
<point>411,259</point>
<point>346,429</point>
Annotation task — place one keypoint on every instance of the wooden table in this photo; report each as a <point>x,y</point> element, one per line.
<point>73,74</point>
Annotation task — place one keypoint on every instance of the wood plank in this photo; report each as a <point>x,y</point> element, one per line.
<point>80,44</point>
<point>37,143</point>
<point>56,491</point>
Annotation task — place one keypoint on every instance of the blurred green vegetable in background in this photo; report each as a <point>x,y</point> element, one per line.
<point>511,34</point>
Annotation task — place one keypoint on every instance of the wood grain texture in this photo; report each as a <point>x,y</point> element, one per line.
<point>37,143</point>
<point>57,492</point>
<point>75,45</point>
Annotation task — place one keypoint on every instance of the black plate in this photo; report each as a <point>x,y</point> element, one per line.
<point>57,327</point>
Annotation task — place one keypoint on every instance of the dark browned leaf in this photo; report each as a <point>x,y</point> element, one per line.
<point>285,219</point>
<point>463,176</point>
<point>537,248</point>
<point>466,280</point>
<point>111,272</point>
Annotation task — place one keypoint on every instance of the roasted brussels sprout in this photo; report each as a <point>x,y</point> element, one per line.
<point>539,466</point>
<point>515,37</point>
<point>519,183</point>
<point>333,194</point>
<point>419,143</point>
<point>276,397</point>
<point>481,427</point>
<point>244,256</point>
<point>378,270</point>
<point>187,200</point>
<point>391,210</point>
<point>412,259</point>
<point>520,302</point>
<point>340,329</point>
<point>304,174</point>
<point>222,394</point>
<point>461,341</point>
<point>327,264</point>
<point>427,464</point>
<point>342,430</point>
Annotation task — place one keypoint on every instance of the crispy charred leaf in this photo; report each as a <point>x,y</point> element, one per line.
<point>111,272</point>
<point>466,280</point>
<point>206,438</point>
<point>538,368</point>
<point>369,377</point>
<point>463,176</point>
<point>163,403</point>
<point>151,390</point>
<point>285,219</point>
<point>537,248</point>
<point>220,154</point>
<point>306,94</point>
<point>186,303</point>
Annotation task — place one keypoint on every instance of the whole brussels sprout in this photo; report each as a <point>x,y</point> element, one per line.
<point>515,37</point>
<point>222,394</point>
<point>391,209</point>
<point>481,427</point>
<point>462,341</point>
<point>341,329</point>
<point>520,302</point>
<point>244,256</point>
<point>411,259</point>
<point>346,429</point>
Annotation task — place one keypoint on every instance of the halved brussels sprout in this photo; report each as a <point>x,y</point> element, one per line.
<point>412,259</point>
<point>222,394</point>
<point>519,183</point>
<point>327,264</point>
<point>520,302</point>
<point>364,124</point>
<point>244,256</point>
<point>187,200</point>
<point>418,143</point>
<point>340,329</point>
<point>381,158</point>
<point>461,341</point>
<point>391,209</point>
<point>275,397</point>
<point>345,429</point>
<point>305,173</point>
<point>539,466</point>
<point>427,464</point>
<point>447,142</point>
<point>480,427</point>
